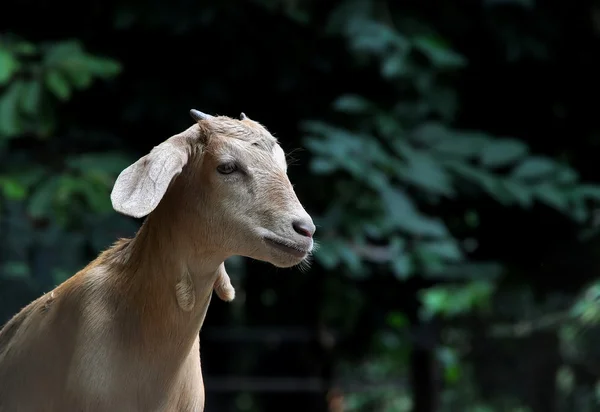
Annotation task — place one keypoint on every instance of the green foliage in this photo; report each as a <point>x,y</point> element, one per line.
<point>392,166</point>
<point>31,76</point>
<point>449,301</point>
<point>48,202</point>
<point>401,162</point>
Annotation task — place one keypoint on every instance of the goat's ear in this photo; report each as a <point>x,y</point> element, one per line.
<point>140,187</point>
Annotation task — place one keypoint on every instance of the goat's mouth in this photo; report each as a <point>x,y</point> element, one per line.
<point>287,247</point>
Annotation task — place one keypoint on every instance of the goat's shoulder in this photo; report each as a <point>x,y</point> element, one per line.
<point>38,312</point>
<point>53,311</point>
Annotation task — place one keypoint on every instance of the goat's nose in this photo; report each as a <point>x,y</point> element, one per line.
<point>304,227</point>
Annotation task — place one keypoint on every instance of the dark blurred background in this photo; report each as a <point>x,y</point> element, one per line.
<point>445,149</point>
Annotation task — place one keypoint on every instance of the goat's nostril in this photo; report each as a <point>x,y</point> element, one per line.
<point>304,228</point>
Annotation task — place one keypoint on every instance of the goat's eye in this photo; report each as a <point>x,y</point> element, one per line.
<point>227,168</point>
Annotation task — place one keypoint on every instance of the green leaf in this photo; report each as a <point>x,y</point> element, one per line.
<point>403,213</point>
<point>397,320</point>
<point>8,66</point>
<point>57,84</point>
<point>373,37</point>
<point>534,167</point>
<point>402,266</point>
<point>522,194</point>
<point>31,96</point>
<point>552,196</point>
<point>440,54</point>
<point>450,361</point>
<point>435,300</point>
<point>352,261</point>
<point>103,67</point>
<point>430,133</point>
<point>450,142</point>
<point>15,269</point>
<point>352,104</point>
<point>24,48</point>
<point>566,175</point>
<point>9,104</point>
<point>446,249</point>
<point>394,65</point>
<point>579,211</point>
<point>424,172</point>
<point>502,152</point>
<point>488,182</point>
<point>587,191</point>
<point>61,51</point>
<point>42,198</point>
<point>75,67</point>
<point>322,166</point>
<point>12,189</point>
<point>455,300</point>
<point>81,79</point>
<point>328,253</point>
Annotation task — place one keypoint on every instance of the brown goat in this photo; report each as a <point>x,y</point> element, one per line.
<point>121,335</point>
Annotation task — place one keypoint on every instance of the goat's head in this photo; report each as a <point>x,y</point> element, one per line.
<point>227,179</point>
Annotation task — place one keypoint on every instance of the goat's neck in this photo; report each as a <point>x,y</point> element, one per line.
<point>167,282</point>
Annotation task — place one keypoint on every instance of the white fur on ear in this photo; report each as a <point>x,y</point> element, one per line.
<point>223,287</point>
<point>140,187</point>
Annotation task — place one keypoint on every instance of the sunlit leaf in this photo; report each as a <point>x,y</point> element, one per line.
<point>8,66</point>
<point>12,188</point>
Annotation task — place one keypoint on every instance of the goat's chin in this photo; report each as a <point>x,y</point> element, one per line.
<point>284,252</point>
<point>283,259</point>
<point>287,263</point>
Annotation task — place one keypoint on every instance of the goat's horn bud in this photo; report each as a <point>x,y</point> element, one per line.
<point>197,115</point>
<point>243,116</point>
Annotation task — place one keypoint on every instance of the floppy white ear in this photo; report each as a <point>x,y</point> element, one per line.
<point>140,187</point>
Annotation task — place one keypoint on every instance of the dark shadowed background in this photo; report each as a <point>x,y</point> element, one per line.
<point>447,151</point>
